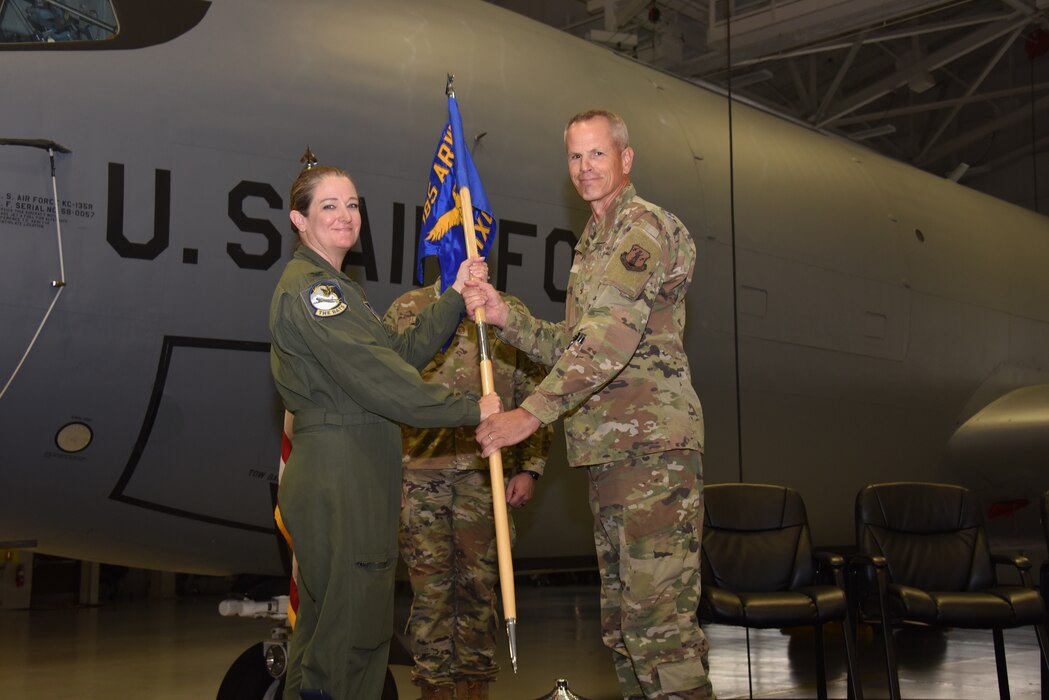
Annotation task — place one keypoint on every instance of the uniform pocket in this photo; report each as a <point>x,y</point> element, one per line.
<point>372,596</point>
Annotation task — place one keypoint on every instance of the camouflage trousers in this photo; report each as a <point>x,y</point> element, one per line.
<point>648,526</point>
<point>448,543</point>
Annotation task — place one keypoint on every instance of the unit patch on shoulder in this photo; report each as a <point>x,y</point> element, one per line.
<point>632,262</point>
<point>635,259</point>
<point>325,298</point>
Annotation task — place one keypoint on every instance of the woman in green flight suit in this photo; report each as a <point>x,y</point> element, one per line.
<point>348,382</point>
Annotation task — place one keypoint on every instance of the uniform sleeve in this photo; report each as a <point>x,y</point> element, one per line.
<point>351,348</point>
<point>394,318</point>
<point>435,323</point>
<point>531,452</point>
<point>542,340</point>
<point>609,332</point>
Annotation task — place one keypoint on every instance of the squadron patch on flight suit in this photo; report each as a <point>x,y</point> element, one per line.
<point>325,298</point>
<point>631,265</point>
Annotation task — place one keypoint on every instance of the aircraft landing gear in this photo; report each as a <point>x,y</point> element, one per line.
<point>258,673</point>
<point>248,679</point>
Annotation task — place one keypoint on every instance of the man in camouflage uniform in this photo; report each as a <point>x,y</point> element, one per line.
<point>620,378</point>
<point>447,530</point>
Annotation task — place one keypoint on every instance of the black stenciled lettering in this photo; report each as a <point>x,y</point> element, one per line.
<point>397,258</point>
<point>507,228</point>
<point>126,248</point>
<point>418,234</point>
<point>556,237</point>
<point>264,227</point>
<point>397,253</point>
<point>397,261</point>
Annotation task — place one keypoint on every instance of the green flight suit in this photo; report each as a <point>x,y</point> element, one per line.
<point>349,382</point>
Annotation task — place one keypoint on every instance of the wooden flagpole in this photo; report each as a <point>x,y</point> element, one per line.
<point>495,461</point>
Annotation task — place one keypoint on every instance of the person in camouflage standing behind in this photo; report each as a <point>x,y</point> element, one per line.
<point>620,378</point>
<point>447,528</point>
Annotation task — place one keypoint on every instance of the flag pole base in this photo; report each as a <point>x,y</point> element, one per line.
<point>561,692</point>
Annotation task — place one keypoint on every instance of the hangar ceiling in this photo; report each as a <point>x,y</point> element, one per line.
<point>959,88</point>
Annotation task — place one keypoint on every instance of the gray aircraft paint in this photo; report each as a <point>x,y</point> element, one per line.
<point>879,307</point>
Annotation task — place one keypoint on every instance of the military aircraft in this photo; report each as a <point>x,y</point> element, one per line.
<point>852,319</point>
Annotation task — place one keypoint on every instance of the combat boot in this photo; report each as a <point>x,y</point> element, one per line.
<point>437,692</point>
<point>471,690</point>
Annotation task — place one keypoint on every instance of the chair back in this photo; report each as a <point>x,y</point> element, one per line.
<point>932,535</point>
<point>755,538</point>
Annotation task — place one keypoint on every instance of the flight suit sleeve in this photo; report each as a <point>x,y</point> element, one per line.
<point>352,349</point>
<point>609,332</point>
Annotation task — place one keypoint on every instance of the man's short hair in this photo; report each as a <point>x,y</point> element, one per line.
<point>620,135</point>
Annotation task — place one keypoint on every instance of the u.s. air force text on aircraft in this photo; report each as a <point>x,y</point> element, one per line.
<point>35,211</point>
<point>558,242</point>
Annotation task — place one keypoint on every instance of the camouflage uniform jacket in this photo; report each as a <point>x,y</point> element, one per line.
<point>619,374</point>
<point>457,367</point>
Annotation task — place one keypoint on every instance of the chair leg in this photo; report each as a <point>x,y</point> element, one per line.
<point>892,670</point>
<point>821,663</point>
<point>848,631</point>
<point>1043,636</point>
<point>999,661</point>
<point>1043,639</point>
<point>1041,631</point>
<point>1045,682</point>
<point>750,676</point>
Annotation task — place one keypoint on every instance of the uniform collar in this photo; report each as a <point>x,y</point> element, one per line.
<point>306,253</point>
<point>596,228</point>
<point>622,198</point>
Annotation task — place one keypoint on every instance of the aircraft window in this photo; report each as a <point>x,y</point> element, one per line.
<point>51,21</point>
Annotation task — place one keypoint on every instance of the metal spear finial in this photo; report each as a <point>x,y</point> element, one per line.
<point>308,160</point>
<point>448,91</point>
<point>511,635</point>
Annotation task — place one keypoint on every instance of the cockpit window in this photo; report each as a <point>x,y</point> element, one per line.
<point>52,21</point>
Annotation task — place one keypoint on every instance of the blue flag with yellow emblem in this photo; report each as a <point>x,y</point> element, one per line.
<point>442,229</point>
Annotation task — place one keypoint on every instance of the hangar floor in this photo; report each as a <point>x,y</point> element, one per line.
<point>180,649</point>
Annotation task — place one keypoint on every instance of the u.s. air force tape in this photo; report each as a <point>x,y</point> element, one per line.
<point>325,298</point>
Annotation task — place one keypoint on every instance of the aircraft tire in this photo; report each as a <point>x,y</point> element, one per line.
<point>389,688</point>
<point>247,678</point>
